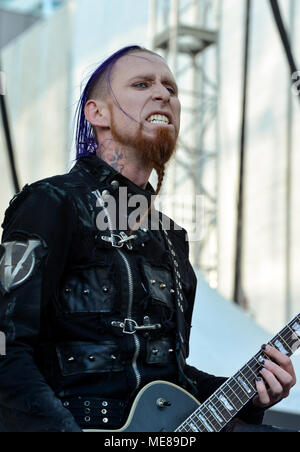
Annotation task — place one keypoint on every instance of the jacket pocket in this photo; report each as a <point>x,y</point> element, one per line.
<point>160,285</point>
<point>88,358</point>
<point>89,290</point>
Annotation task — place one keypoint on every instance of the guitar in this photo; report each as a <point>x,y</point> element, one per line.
<point>164,407</point>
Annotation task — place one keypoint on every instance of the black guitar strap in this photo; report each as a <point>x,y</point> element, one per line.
<point>182,345</point>
<point>181,342</point>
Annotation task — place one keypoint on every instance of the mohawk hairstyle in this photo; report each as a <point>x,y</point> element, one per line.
<point>85,139</point>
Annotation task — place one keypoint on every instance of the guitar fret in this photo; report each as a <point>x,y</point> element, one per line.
<point>246,390</point>
<point>189,426</point>
<point>211,417</point>
<point>229,405</point>
<point>284,348</point>
<point>207,420</point>
<point>214,414</point>
<point>220,407</point>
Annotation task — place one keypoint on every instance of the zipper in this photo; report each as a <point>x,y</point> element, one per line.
<point>130,287</point>
<point>129,314</point>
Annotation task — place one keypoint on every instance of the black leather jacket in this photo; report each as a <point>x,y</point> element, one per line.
<point>84,318</point>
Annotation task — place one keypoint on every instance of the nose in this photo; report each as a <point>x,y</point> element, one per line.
<point>160,92</point>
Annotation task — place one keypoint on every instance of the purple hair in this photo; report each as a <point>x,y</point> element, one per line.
<point>86,143</point>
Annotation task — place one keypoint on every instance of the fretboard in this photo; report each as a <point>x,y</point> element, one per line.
<point>215,413</point>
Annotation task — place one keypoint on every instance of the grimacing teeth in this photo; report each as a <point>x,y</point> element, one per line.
<point>158,119</point>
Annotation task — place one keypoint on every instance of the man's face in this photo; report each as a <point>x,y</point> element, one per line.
<point>145,89</point>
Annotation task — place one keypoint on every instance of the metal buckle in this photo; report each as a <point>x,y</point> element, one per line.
<point>130,326</point>
<point>122,238</point>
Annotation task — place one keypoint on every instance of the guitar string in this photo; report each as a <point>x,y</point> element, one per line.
<point>285,335</point>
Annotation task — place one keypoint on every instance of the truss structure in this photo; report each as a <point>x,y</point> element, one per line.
<point>186,33</point>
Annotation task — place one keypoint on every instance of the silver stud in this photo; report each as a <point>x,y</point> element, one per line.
<point>152,281</point>
<point>105,420</point>
<point>104,411</point>
<point>92,358</point>
<point>67,290</point>
<point>115,184</point>
<point>155,351</point>
<point>87,403</point>
<point>105,194</point>
<point>172,291</point>
<point>162,285</point>
<point>104,403</point>
<point>86,291</point>
<point>105,289</point>
<point>66,404</point>
<point>71,359</point>
<point>87,418</point>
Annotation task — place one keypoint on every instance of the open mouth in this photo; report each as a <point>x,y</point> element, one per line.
<point>158,119</point>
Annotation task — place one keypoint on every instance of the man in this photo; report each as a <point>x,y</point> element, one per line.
<point>92,314</point>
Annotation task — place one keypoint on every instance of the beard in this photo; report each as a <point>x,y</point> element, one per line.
<point>153,152</point>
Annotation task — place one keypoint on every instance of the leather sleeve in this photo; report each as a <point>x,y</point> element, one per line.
<point>34,250</point>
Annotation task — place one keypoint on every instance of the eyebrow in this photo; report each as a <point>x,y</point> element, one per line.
<point>151,77</point>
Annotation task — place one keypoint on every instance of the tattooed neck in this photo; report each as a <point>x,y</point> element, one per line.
<point>124,161</point>
<point>113,154</point>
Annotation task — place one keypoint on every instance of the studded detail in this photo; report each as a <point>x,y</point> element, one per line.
<point>172,291</point>
<point>105,289</point>
<point>92,358</point>
<point>104,411</point>
<point>115,184</point>
<point>152,281</point>
<point>162,285</point>
<point>67,290</point>
<point>104,403</point>
<point>87,419</point>
<point>105,420</point>
<point>86,291</point>
<point>87,403</point>
<point>71,359</point>
<point>155,351</point>
<point>105,194</point>
<point>66,404</point>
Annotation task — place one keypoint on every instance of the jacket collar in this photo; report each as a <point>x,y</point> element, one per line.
<point>108,176</point>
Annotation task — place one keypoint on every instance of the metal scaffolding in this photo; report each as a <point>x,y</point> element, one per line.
<point>186,34</point>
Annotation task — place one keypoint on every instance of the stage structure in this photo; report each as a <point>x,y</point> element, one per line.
<point>186,33</point>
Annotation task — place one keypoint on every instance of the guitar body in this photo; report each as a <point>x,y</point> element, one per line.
<point>147,416</point>
<point>164,407</point>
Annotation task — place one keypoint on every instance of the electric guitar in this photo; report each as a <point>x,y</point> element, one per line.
<point>164,407</point>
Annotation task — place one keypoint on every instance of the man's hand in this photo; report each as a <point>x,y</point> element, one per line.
<point>278,377</point>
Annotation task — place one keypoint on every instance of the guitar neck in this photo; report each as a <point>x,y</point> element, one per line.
<point>215,413</point>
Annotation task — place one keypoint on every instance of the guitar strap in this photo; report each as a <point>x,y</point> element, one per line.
<point>181,345</point>
<point>181,339</point>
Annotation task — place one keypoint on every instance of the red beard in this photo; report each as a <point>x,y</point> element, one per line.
<point>154,152</point>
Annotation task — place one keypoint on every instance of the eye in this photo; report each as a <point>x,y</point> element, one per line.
<point>171,90</point>
<point>141,85</point>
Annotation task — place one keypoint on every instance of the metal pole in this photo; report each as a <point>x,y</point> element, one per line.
<point>8,140</point>
<point>237,295</point>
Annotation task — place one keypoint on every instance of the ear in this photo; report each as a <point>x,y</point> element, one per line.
<point>97,113</point>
